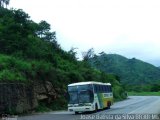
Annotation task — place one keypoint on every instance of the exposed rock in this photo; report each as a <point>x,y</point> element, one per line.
<point>16,98</point>
<point>19,98</point>
<point>45,91</point>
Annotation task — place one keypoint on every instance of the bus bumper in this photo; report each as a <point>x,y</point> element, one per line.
<point>81,108</point>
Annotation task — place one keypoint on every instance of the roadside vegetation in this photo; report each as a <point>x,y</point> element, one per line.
<point>144,93</point>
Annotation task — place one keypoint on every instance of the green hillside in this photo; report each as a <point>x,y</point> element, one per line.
<point>34,70</point>
<point>130,71</point>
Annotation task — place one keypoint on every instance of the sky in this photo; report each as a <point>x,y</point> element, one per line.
<point>127,27</point>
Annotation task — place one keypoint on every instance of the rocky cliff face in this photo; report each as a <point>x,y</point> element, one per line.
<point>45,91</point>
<point>16,98</point>
<point>20,98</point>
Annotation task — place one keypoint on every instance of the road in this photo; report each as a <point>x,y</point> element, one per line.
<point>144,107</point>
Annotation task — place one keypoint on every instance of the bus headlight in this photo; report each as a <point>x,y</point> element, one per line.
<point>88,104</point>
<point>70,105</point>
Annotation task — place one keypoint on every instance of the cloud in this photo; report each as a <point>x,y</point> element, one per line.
<point>127,27</point>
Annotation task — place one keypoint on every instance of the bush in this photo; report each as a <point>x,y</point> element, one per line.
<point>9,75</point>
<point>42,108</point>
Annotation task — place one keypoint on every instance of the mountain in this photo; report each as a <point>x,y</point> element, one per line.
<point>130,71</point>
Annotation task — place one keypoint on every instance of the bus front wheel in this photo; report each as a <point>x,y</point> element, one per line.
<point>76,112</point>
<point>96,107</point>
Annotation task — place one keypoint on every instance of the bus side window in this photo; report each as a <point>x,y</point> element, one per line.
<point>108,89</point>
<point>105,88</point>
<point>98,88</point>
<point>95,88</point>
<point>101,86</point>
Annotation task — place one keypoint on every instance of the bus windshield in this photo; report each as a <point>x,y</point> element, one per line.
<point>80,94</point>
<point>73,97</point>
<point>84,97</point>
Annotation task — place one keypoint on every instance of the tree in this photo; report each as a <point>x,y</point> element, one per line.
<point>1,3</point>
<point>43,31</point>
<point>102,53</point>
<point>7,2</point>
<point>49,36</point>
<point>87,55</point>
<point>4,2</point>
<point>73,53</point>
<point>155,88</point>
<point>43,28</point>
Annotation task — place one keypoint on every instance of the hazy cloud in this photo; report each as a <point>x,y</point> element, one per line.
<point>127,27</point>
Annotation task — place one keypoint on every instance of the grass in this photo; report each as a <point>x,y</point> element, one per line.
<point>144,93</point>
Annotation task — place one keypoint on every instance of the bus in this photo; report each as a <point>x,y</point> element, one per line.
<point>89,96</point>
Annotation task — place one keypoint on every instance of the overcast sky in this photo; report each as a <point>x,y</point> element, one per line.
<point>127,27</point>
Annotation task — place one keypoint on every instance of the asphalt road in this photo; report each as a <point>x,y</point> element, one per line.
<point>135,107</point>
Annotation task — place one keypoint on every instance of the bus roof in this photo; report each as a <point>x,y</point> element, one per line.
<point>89,82</point>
